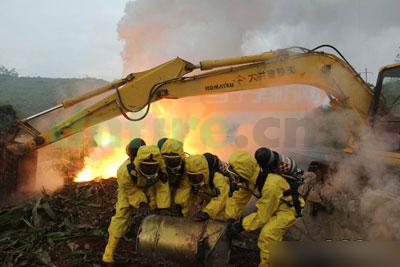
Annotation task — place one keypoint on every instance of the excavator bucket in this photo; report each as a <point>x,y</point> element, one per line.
<point>16,172</point>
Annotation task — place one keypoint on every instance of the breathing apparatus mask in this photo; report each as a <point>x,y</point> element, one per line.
<point>173,163</point>
<point>196,180</point>
<point>149,169</point>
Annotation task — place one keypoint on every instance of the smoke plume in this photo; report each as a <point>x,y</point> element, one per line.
<point>157,30</point>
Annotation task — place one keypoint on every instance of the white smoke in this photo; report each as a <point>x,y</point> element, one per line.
<point>366,178</point>
<point>158,30</point>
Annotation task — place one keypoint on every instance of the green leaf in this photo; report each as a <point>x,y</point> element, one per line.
<point>28,223</point>
<point>49,211</point>
<point>36,217</point>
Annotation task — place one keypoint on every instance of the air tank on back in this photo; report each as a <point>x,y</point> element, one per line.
<point>273,161</point>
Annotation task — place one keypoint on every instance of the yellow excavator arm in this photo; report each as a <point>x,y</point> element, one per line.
<point>137,91</point>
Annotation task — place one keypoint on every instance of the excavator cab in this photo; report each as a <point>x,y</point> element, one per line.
<point>385,108</point>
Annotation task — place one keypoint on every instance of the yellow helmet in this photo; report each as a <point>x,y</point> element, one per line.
<point>149,163</point>
<point>243,165</point>
<point>196,168</point>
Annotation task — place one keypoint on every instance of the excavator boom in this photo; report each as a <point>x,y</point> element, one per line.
<point>137,91</point>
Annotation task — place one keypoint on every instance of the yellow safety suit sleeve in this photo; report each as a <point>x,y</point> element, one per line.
<point>236,203</point>
<point>217,204</point>
<point>163,195</point>
<point>182,195</point>
<point>128,189</point>
<point>267,205</point>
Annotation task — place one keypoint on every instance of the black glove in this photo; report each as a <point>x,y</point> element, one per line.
<point>201,216</point>
<point>177,210</point>
<point>163,212</point>
<point>144,209</point>
<point>234,228</point>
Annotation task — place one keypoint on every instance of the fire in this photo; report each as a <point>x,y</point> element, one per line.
<point>104,161</point>
<point>106,158</point>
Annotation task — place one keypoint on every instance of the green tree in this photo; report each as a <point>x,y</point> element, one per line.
<point>9,72</point>
<point>7,118</point>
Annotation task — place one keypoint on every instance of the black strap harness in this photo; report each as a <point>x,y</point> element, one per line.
<point>213,167</point>
<point>131,167</point>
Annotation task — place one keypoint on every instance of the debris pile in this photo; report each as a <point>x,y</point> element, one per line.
<point>69,228</point>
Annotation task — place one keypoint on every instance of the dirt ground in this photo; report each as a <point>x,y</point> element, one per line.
<point>69,228</point>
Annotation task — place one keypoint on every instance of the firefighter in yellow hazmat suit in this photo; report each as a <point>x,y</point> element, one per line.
<point>142,185</point>
<point>208,183</point>
<point>236,202</point>
<point>174,158</point>
<point>274,213</point>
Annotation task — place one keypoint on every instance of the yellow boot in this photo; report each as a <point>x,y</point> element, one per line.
<point>264,259</point>
<point>108,255</point>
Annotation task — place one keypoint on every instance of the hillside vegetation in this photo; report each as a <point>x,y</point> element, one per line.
<point>29,95</point>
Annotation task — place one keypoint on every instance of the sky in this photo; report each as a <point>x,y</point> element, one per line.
<point>104,38</point>
<point>55,38</point>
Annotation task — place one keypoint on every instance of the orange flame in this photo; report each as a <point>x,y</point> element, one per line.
<point>104,161</point>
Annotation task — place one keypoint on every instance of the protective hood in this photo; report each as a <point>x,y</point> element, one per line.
<point>147,152</point>
<point>173,146</point>
<point>245,165</point>
<point>197,164</point>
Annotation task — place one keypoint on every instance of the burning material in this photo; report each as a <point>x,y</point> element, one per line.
<point>101,164</point>
<point>105,159</point>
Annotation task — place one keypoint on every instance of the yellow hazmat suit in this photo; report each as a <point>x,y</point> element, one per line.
<point>236,203</point>
<point>246,166</point>
<point>214,185</point>
<point>178,180</point>
<point>273,215</point>
<point>132,190</point>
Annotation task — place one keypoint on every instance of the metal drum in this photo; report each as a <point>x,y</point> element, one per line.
<point>183,241</point>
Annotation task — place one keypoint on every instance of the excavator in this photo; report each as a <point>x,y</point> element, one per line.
<point>363,108</point>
